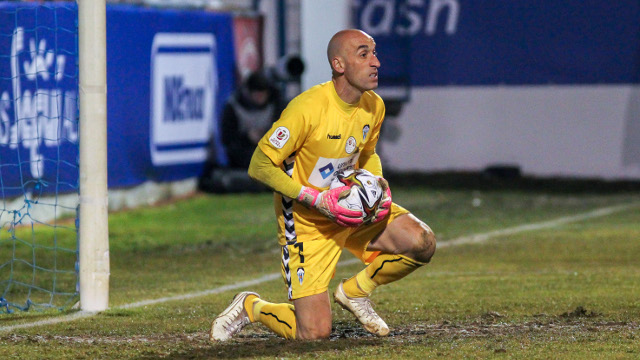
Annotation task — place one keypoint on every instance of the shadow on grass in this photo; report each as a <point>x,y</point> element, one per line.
<point>344,337</point>
<point>276,348</point>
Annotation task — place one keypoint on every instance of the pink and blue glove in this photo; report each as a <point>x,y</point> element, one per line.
<point>326,202</point>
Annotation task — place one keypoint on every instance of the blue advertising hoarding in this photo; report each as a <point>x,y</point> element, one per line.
<point>168,75</point>
<point>38,99</point>
<point>503,42</point>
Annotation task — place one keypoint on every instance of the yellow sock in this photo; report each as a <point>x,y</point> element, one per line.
<point>383,269</point>
<point>248,305</point>
<point>280,318</point>
<point>359,285</point>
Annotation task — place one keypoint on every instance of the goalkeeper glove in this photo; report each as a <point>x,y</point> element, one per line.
<point>326,202</point>
<point>385,203</point>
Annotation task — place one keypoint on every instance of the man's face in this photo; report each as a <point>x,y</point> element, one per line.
<point>259,97</point>
<point>361,63</point>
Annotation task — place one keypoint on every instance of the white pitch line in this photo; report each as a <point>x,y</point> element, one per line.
<point>75,316</point>
<point>472,239</point>
<point>217,290</point>
<point>483,237</point>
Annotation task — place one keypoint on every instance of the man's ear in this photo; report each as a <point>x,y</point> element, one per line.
<point>338,65</point>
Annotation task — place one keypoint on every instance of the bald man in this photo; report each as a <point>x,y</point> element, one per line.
<point>332,126</point>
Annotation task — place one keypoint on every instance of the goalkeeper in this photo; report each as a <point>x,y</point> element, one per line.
<point>330,127</point>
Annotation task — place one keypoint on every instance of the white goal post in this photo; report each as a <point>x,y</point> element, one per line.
<point>93,231</point>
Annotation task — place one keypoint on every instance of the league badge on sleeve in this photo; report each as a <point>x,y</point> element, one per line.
<point>279,137</point>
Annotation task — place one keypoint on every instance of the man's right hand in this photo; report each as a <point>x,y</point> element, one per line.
<point>326,202</point>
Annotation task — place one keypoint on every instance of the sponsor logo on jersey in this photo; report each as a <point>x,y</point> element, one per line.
<point>301,275</point>
<point>279,137</point>
<point>325,169</point>
<point>365,131</point>
<point>184,83</point>
<point>334,137</point>
<point>351,145</point>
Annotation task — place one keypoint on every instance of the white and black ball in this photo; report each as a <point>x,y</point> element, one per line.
<point>365,194</point>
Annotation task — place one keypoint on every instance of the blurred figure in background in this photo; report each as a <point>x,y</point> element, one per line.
<point>246,116</point>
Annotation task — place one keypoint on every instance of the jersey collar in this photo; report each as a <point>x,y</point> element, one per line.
<point>347,108</point>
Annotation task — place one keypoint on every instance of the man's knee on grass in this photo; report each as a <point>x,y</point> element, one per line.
<point>313,326</point>
<point>313,317</point>
<point>313,332</point>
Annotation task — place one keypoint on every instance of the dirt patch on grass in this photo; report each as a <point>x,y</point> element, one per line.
<point>91,340</point>
<point>352,330</point>
<point>257,341</point>
<point>579,312</point>
<point>347,336</point>
<point>505,329</point>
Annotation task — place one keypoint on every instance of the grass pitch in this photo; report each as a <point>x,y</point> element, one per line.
<point>569,290</point>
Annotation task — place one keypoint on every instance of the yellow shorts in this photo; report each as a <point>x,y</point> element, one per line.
<point>307,267</point>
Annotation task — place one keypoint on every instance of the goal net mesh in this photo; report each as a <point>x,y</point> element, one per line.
<point>38,155</point>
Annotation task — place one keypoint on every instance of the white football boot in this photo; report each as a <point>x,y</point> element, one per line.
<point>362,309</point>
<point>232,319</point>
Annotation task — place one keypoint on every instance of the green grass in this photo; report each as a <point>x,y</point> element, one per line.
<point>567,292</point>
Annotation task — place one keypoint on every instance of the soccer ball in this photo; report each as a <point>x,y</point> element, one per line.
<point>365,194</point>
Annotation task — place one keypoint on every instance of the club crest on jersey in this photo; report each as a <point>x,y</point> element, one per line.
<point>301,275</point>
<point>365,131</point>
<point>351,145</point>
<point>279,137</point>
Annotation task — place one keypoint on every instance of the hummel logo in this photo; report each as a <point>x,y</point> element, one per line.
<point>334,137</point>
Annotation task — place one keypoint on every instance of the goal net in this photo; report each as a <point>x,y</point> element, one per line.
<point>39,155</point>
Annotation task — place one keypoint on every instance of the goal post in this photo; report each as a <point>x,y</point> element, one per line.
<point>93,231</point>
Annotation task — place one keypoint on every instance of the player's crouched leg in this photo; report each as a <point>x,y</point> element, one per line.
<point>405,244</point>
<point>406,236</point>
<point>420,241</point>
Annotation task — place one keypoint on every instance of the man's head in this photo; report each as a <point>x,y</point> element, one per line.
<point>257,89</point>
<point>353,60</point>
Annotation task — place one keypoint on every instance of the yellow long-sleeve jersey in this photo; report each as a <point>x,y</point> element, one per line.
<point>317,135</point>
